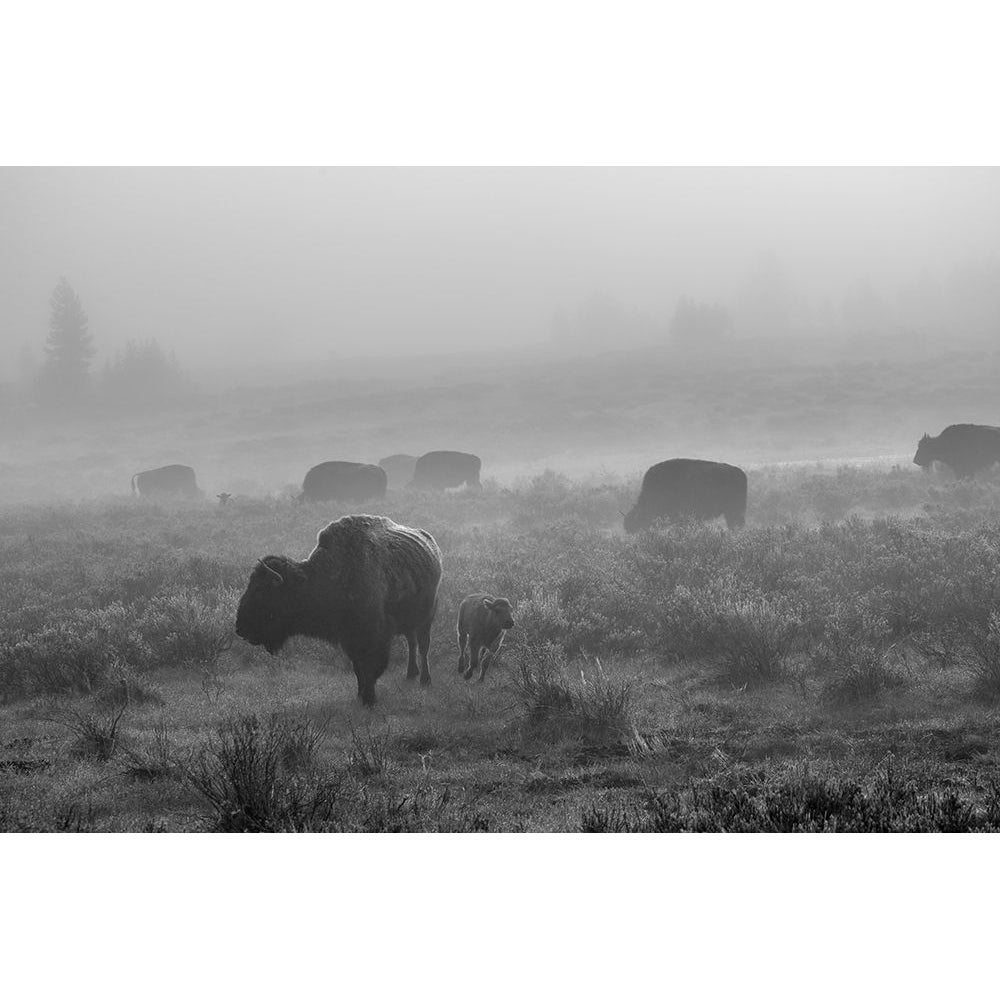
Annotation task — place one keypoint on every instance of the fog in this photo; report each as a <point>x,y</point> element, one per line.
<point>225,265</point>
<point>254,322</point>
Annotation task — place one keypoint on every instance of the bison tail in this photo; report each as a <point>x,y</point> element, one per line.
<point>134,478</point>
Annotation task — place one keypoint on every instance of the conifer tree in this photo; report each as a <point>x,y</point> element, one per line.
<point>65,373</point>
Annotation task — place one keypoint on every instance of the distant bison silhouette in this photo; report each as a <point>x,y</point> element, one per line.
<point>168,481</point>
<point>399,469</point>
<point>367,581</point>
<point>482,623</point>
<point>350,482</point>
<point>964,448</point>
<point>690,488</point>
<point>441,470</point>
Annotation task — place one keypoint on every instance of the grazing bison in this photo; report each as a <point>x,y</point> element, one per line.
<point>482,624</point>
<point>168,481</point>
<point>351,482</point>
<point>441,470</point>
<point>367,581</point>
<point>399,469</point>
<point>690,487</point>
<point>964,448</point>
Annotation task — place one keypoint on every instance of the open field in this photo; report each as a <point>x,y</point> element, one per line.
<point>835,665</point>
<point>616,414</point>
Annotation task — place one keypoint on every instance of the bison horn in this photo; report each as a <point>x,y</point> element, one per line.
<point>271,570</point>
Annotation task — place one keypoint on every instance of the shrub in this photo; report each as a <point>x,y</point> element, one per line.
<point>189,626</point>
<point>593,705</point>
<point>982,647</point>
<point>754,636</point>
<point>84,650</point>
<point>96,735</point>
<point>253,777</point>
<point>369,756</point>
<point>122,686</point>
<point>58,659</point>
<point>853,657</point>
<point>540,618</point>
<point>942,646</point>
<point>156,758</point>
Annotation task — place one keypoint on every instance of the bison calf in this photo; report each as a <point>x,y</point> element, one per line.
<point>482,621</point>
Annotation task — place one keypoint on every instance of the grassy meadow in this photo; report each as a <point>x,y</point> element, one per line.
<point>835,665</point>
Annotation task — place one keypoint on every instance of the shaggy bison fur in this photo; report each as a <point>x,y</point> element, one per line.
<point>367,581</point>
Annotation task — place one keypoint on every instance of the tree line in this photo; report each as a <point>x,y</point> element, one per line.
<point>141,374</point>
<point>767,304</point>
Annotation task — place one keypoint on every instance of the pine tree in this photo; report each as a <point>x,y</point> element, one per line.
<point>64,377</point>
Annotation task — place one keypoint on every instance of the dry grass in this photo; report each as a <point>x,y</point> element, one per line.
<point>639,665</point>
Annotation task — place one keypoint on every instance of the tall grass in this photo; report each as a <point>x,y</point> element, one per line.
<point>92,591</point>
<point>579,700</point>
<point>749,801</point>
<point>260,776</point>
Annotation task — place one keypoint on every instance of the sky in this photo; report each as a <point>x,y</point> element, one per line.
<point>227,266</point>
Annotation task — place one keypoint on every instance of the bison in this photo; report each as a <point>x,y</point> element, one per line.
<point>690,488</point>
<point>367,580</point>
<point>168,481</point>
<point>482,623</point>
<point>399,469</point>
<point>350,482</point>
<point>965,448</point>
<point>441,470</point>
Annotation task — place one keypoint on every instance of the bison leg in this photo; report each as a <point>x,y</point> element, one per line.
<point>366,688</point>
<point>463,639</point>
<point>424,642</point>
<point>736,520</point>
<point>476,651</point>
<point>412,672</point>
<point>489,655</point>
<point>484,663</point>
<point>369,665</point>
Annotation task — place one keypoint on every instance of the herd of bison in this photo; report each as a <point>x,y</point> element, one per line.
<point>369,579</point>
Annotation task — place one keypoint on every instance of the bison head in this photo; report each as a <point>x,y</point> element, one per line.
<point>926,452</point>
<point>636,520</point>
<point>271,604</point>
<point>502,612</point>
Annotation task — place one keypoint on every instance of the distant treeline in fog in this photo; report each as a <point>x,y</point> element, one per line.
<point>66,379</point>
<point>59,369</point>
<point>963,304</point>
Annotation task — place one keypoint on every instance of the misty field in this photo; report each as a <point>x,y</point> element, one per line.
<point>614,414</point>
<point>833,666</point>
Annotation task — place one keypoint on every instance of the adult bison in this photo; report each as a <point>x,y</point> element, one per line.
<point>351,482</point>
<point>690,488</point>
<point>168,481</point>
<point>399,469</point>
<point>964,448</point>
<point>367,581</point>
<point>441,470</point>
